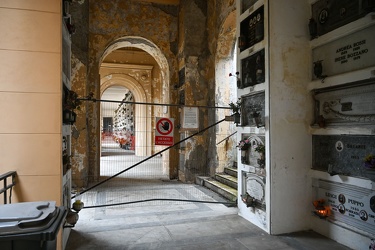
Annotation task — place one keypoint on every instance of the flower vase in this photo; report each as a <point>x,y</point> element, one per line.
<point>370,173</point>
<point>244,156</point>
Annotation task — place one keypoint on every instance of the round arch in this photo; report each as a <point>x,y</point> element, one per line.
<point>141,139</point>
<point>150,48</point>
<point>126,81</point>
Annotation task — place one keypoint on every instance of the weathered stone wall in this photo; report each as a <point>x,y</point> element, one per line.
<point>187,35</point>
<point>80,18</point>
<point>79,145</point>
<point>200,24</point>
<point>111,21</point>
<point>222,38</point>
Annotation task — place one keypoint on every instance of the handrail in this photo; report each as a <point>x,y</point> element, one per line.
<point>226,138</point>
<point>3,178</point>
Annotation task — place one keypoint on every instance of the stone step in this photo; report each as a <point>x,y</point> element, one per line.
<point>224,190</point>
<point>227,179</point>
<point>231,171</point>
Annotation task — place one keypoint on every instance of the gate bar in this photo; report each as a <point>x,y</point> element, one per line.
<point>149,103</point>
<point>148,158</point>
<point>226,138</point>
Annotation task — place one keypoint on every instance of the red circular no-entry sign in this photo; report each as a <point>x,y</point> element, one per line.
<point>164,126</point>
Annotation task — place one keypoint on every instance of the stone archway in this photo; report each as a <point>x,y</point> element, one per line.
<point>139,93</point>
<point>141,138</point>
<point>150,48</point>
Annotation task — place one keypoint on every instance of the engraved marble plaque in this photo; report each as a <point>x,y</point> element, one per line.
<point>342,154</point>
<point>254,185</point>
<point>353,52</point>
<point>332,14</point>
<point>252,29</point>
<point>255,189</point>
<point>348,204</point>
<point>352,104</point>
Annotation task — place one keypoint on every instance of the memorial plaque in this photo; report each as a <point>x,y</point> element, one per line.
<point>253,109</point>
<point>252,29</point>
<point>252,70</point>
<point>342,154</point>
<point>255,189</point>
<point>254,185</point>
<point>346,105</point>
<point>348,204</point>
<point>353,52</point>
<point>332,14</point>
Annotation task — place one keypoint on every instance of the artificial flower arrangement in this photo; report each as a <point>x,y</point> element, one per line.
<point>244,144</point>
<point>260,148</point>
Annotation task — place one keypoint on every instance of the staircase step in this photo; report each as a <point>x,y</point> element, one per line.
<point>231,171</point>
<point>220,188</point>
<point>227,179</point>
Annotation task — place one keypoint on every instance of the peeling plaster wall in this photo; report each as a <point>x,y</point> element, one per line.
<point>221,23</point>
<point>79,131</point>
<point>170,30</point>
<point>197,53</point>
<point>110,21</point>
<point>193,57</point>
<point>225,92</point>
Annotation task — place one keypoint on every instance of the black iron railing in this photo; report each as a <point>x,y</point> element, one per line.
<point>11,175</point>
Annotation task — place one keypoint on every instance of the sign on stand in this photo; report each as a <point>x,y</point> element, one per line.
<point>164,131</point>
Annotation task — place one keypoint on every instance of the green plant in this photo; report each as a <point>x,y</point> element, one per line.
<point>71,101</point>
<point>235,107</point>
<point>260,148</point>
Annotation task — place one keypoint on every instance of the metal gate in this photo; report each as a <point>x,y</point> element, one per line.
<point>128,179</point>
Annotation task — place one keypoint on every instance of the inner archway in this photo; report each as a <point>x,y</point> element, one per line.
<point>139,77</point>
<point>141,122</point>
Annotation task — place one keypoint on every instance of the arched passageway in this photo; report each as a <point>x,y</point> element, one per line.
<point>138,66</point>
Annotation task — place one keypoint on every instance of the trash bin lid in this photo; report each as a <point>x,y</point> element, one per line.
<point>26,216</point>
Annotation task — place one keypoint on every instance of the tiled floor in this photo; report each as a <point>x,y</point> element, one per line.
<point>180,225</point>
<point>168,224</point>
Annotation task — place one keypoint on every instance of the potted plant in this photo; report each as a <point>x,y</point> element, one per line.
<point>70,103</point>
<point>236,109</point>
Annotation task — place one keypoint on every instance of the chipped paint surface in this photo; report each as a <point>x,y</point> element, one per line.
<point>79,131</point>
<point>117,24</point>
<point>162,31</point>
